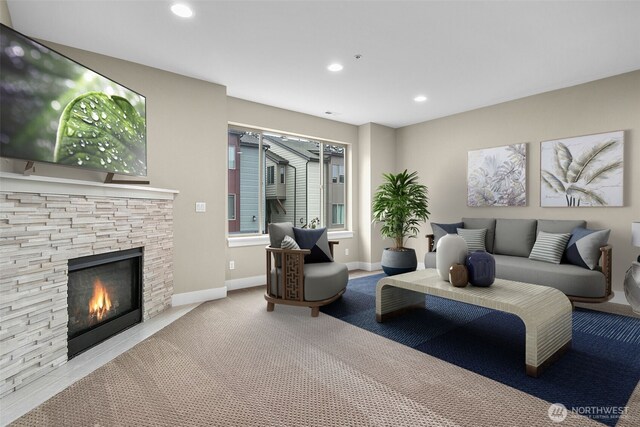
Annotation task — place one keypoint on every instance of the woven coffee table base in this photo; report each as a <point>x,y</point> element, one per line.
<point>545,311</point>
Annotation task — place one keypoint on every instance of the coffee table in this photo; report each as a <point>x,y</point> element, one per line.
<point>545,311</point>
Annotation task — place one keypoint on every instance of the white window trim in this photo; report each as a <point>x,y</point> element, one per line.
<point>263,240</point>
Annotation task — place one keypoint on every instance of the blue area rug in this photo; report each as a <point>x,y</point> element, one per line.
<point>601,369</point>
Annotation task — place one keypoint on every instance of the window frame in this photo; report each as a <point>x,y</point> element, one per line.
<point>271,175</point>
<point>342,230</point>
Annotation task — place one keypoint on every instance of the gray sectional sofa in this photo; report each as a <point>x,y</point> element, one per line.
<point>511,240</point>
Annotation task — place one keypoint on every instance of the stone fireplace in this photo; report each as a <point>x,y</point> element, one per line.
<point>49,226</point>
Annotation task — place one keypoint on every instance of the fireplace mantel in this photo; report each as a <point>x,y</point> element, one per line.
<point>17,183</point>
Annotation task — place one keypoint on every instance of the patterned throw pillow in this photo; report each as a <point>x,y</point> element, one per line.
<point>549,247</point>
<point>441,230</point>
<point>584,246</point>
<point>289,243</point>
<point>474,238</point>
<point>317,241</point>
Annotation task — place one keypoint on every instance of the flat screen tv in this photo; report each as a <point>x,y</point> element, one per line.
<point>52,109</point>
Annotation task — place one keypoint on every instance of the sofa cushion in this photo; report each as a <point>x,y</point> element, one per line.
<point>440,230</point>
<point>584,246</point>
<point>549,247</point>
<point>489,224</point>
<point>515,236</point>
<point>475,238</point>
<point>321,280</point>
<point>568,278</point>
<point>559,225</point>
<point>317,241</point>
<point>430,260</point>
<point>277,231</point>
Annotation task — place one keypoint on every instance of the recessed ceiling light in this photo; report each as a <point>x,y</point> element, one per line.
<point>182,10</point>
<point>335,67</point>
<point>420,98</point>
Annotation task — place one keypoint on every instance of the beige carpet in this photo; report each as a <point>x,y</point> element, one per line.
<point>230,363</point>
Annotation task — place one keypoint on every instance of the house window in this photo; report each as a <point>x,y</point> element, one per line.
<point>304,170</point>
<point>232,157</point>
<point>337,214</point>
<point>337,174</point>
<point>231,207</point>
<point>271,171</point>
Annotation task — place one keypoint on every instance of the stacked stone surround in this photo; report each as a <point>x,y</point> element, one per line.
<point>39,233</point>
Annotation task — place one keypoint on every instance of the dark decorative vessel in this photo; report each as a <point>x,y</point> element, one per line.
<point>399,261</point>
<point>481,267</point>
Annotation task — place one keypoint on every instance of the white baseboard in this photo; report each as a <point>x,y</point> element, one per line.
<point>353,265</point>
<point>619,298</point>
<point>198,296</point>
<point>245,282</point>
<point>370,266</point>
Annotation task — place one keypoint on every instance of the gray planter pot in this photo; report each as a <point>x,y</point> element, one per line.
<point>398,262</point>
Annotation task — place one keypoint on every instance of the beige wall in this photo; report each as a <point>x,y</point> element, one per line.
<point>186,134</point>
<point>5,17</point>
<point>377,156</point>
<point>250,261</point>
<point>437,149</point>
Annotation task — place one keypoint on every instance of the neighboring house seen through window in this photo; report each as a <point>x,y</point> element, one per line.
<point>281,178</point>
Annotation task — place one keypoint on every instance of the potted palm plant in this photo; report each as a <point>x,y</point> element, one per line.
<point>400,204</point>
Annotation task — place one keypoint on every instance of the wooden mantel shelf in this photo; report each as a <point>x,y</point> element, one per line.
<point>17,183</point>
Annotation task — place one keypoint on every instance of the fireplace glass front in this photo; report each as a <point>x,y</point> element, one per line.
<point>104,294</point>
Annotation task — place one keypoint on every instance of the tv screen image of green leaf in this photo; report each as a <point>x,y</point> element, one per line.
<point>54,110</point>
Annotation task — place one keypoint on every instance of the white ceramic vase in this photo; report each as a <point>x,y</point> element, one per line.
<point>451,249</point>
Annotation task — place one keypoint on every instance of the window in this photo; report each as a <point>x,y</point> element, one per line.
<point>231,207</point>
<point>232,157</point>
<point>337,214</point>
<point>271,175</point>
<point>337,174</point>
<point>310,175</point>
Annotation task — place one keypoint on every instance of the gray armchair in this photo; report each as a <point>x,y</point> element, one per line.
<point>290,281</point>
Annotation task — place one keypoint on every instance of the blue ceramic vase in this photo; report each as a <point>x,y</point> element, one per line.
<point>481,267</point>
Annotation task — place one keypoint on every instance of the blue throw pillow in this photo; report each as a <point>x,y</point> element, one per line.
<point>440,230</point>
<point>584,246</point>
<point>317,241</point>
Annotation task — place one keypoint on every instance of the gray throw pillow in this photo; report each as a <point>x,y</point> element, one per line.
<point>441,230</point>
<point>549,247</point>
<point>488,223</point>
<point>289,243</point>
<point>584,246</point>
<point>474,238</point>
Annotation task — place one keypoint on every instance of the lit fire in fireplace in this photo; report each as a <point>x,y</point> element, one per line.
<point>100,303</point>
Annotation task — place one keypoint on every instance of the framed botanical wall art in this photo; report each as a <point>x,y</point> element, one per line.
<point>497,176</point>
<point>582,171</point>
